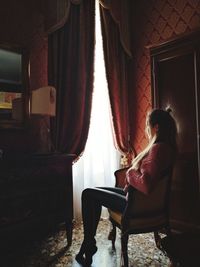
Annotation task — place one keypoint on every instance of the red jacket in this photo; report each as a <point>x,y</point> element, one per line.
<point>158,160</point>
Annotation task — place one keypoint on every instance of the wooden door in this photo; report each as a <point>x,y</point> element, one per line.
<point>175,83</point>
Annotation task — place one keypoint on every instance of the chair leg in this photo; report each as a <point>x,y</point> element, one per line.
<point>124,242</point>
<point>168,231</point>
<point>157,239</point>
<point>112,235</point>
<point>69,230</point>
<point>173,261</point>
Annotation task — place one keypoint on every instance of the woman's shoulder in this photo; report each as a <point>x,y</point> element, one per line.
<point>160,154</point>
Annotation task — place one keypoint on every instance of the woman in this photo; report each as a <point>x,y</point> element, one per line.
<point>146,170</point>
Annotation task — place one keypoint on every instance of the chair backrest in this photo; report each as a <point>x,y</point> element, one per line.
<point>157,202</point>
<point>139,204</point>
<point>120,176</point>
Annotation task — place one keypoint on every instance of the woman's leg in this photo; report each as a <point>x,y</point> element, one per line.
<point>92,201</point>
<point>118,190</point>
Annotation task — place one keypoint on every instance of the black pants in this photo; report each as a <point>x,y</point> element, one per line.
<point>92,201</point>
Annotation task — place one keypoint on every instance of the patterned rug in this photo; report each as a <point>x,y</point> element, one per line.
<point>52,251</point>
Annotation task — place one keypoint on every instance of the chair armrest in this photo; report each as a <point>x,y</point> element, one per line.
<point>120,177</point>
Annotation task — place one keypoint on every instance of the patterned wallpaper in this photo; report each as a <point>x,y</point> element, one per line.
<point>39,51</point>
<point>154,21</point>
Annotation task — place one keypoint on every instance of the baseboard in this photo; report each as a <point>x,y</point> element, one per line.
<point>181,226</point>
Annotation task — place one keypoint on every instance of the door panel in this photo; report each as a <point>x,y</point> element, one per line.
<point>174,80</point>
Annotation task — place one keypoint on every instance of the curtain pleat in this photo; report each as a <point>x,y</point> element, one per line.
<point>117,65</point>
<point>71,64</point>
<point>57,13</point>
<point>119,10</point>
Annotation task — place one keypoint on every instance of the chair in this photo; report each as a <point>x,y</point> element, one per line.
<point>143,213</point>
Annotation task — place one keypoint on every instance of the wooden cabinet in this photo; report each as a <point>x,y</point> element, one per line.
<point>36,194</point>
<point>175,67</point>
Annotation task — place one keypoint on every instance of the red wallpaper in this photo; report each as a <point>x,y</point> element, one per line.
<point>154,21</point>
<point>38,58</point>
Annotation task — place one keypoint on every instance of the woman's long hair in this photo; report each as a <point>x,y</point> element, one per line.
<point>166,133</point>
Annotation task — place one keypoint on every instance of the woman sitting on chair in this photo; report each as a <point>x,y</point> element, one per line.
<point>146,170</point>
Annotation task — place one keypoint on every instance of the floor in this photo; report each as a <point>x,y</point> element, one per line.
<point>52,251</point>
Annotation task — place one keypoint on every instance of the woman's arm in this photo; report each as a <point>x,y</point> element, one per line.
<point>152,166</point>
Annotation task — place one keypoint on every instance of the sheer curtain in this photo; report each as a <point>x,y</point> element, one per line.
<point>100,159</point>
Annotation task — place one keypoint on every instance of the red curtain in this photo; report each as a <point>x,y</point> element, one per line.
<point>117,62</point>
<point>71,59</point>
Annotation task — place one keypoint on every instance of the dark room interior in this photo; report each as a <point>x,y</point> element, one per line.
<point>152,59</point>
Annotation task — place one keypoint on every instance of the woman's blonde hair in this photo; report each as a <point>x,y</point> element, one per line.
<point>141,155</point>
<point>166,133</point>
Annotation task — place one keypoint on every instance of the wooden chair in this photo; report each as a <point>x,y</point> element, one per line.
<point>143,213</point>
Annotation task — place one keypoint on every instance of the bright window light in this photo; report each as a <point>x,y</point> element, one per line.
<point>100,159</point>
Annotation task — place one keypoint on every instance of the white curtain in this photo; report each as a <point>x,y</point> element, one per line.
<point>100,159</point>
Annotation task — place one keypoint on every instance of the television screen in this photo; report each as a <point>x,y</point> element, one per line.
<point>10,81</point>
<point>10,71</point>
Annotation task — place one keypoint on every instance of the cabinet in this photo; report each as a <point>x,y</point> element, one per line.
<point>175,77</point>
<point>36,194</point>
